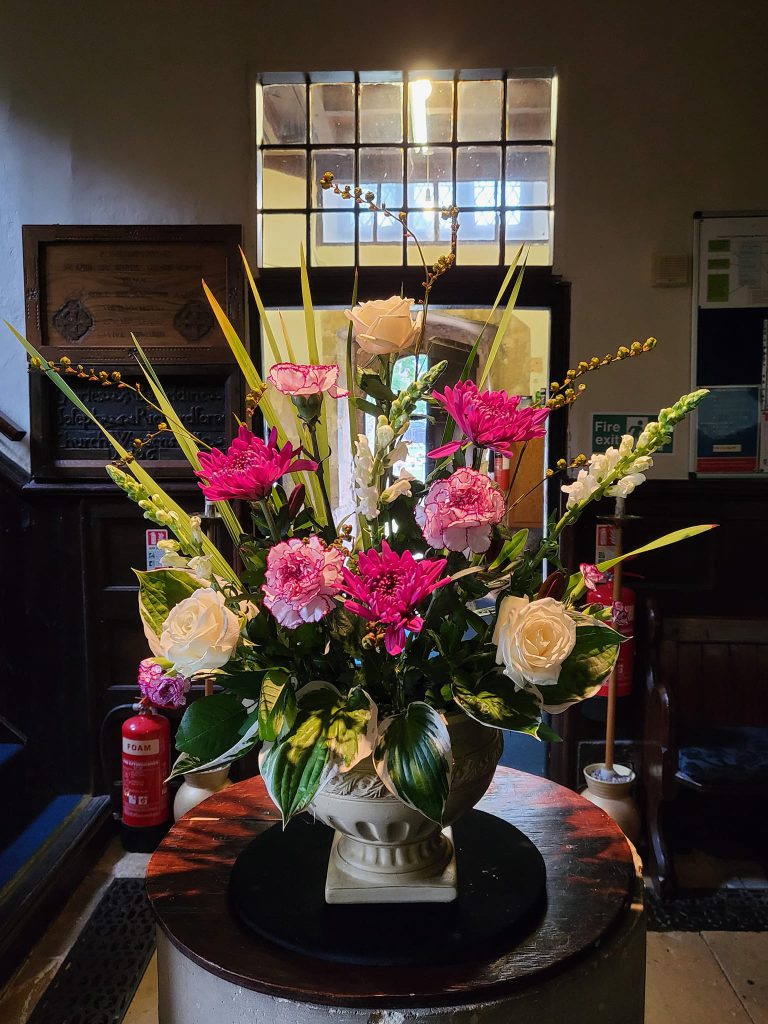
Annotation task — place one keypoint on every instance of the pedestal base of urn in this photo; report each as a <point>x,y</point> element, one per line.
<point>417,876</point>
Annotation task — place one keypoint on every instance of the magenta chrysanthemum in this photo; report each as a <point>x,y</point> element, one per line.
<point>161,690</point>
<point>489,419</point>
<point>303,577</point>
<point>299,380</point>
<point>458,513</point>
<point>249,469</point>
<point>388,589</point>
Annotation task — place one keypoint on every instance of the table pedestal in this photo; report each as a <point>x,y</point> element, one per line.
<point>584,962</point>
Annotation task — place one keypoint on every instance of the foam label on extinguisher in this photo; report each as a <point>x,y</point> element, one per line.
<point>140,747</point>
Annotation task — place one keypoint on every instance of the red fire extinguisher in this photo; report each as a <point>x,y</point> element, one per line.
<point>624,623</point>
<point>146,741</point>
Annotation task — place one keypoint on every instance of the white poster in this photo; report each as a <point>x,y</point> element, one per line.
<point>733,262</point>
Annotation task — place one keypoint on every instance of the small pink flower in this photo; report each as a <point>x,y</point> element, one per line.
<point>458,513</point>
<point>591,575</point>
<point>388,589</point>
<point>303,577</point>
<point>249,469</point>
<point>489,419</point>
<point>161,690</point>
<point>619,614</point>
<point>297,380</point>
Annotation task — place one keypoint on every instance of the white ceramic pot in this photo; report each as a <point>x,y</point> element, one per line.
<point>385,851</point>
<point>615,798</point>
<point>198,786</point>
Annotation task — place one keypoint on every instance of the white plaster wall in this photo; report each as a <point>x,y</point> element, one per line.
<point>137,111</point>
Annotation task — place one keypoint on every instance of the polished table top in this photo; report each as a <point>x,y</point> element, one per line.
<point>590,881</point>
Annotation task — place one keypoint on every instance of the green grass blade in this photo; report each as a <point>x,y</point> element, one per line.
<point>503,324</point>
<point>309,312</point>
<point>270,334</point>
<point>499,296</point>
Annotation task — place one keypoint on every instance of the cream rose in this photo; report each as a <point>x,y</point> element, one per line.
<point>533,639</point>
<point>384,325</point>
<point>199,634</point>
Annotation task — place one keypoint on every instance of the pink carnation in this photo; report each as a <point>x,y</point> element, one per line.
<point>591,575</point>
<point>489,419</point>
<point>161,690</point>
<point>303,576</point>
<point>298,380</point>
<point>249,469</point>
<point>458,513</point>
<point>388,589</point>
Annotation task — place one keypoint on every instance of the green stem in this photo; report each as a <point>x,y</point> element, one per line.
<point>264,506</point>
<point>312,428</point>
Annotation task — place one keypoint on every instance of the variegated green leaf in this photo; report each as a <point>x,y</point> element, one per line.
<point>413,759</point>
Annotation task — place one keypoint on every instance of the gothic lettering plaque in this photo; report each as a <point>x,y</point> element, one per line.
<point>88,289</point>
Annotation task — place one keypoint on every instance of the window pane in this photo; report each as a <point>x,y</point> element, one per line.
<point>283,179</point>
<point>381,112</point>
<point>381,240</point>
<point>281,236</point>
<point>433,233</point>
<point>430,111</point>
<point>529,108</point>
<point>429,178</point>
<point>332,239</point>
<point>528,176</point>
<point>284,116</point>
<point>479,238</point>
<point>533,227</point>
<point>381,172</point>
<point>332,106</point>
<point>479,116</point>
<point>478,176</point>
<point>341,163</point>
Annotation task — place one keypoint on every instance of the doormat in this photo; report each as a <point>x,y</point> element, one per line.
<point>99,976</point>
<point>731,910</point>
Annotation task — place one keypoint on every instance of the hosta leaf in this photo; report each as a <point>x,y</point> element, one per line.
<point>211,727</point>
<point>277,704</point>
<point>247,741</point>
<point>326,732</point>
<point>413,759</point>
<point>590,662</point>
<point>160,590</point>
<point>496,702</point>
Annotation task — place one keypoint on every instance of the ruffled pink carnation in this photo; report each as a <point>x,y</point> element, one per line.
<point>298,380</point>
<point>458,513</point>
<point>303,577</point>
<point>388,589</point>
<point>161,690</point>
<point>489,419</point>
<point>249,469</point>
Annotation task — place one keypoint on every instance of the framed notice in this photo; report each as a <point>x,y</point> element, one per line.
<point>730,343</point>
<point>87,290</point>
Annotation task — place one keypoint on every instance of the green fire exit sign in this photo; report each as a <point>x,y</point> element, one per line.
<point>609,427</point>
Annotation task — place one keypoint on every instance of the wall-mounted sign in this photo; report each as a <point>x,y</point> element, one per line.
<point>608,428</point>
<point>154,553</point>
<point>728,431</point>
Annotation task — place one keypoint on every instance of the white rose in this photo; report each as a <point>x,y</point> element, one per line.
<point>199,634</point>
<point>384,325</point>
<point>533,639</point>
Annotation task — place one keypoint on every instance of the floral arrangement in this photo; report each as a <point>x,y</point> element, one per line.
<point>329,641</point>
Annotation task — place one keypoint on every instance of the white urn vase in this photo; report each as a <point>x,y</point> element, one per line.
<point>387,852</point>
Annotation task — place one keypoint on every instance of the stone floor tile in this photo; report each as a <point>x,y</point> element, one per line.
<point>685,985</point>
<point>143,1008</point>
<point>743,957</point>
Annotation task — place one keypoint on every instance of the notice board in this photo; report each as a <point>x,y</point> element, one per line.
<point>730,343</point>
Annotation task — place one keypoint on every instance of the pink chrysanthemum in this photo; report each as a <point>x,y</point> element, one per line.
<point>298,380</point>
<point>489,419</point>
<point>161,690</point>
<point>458,513</point>
<point>303,577</point>
<point>388,589</point>
<point>249,469</point>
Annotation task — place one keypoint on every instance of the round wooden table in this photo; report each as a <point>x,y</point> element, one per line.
<point>583,962</point>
